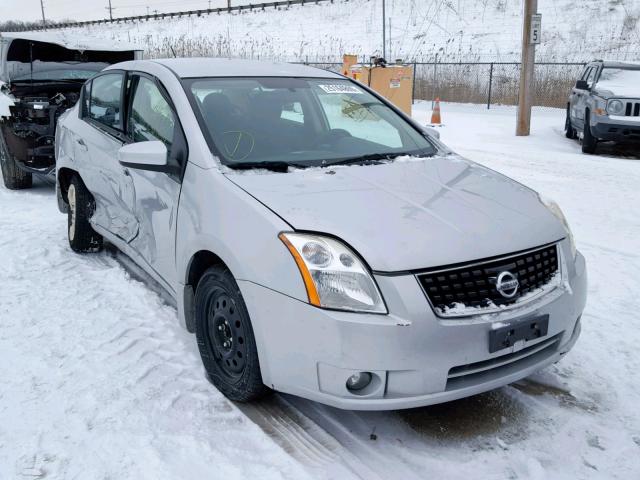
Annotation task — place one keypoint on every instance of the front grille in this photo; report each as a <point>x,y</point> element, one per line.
<point>474,284</point>
<point>632,109</point>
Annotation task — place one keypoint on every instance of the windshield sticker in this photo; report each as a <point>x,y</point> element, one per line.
<point>340,88</point>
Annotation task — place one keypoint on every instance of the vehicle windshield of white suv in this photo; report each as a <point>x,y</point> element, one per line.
<point>254,122</point>
<point>616,78</point>
<point>68,73</point>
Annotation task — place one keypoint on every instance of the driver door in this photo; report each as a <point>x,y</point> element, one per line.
<point>151,117</point>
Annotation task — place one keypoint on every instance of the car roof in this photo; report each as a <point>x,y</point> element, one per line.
<point>231,67</point>
<point>624,65</point>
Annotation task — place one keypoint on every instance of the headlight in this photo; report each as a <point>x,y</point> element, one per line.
<point>615,107</point>
<point>555,209</point>
<point>333,275</point>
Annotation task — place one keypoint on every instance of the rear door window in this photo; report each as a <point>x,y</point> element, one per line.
<point>105,104</point>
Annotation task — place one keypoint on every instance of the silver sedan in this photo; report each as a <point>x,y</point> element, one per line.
<point>316,240</point>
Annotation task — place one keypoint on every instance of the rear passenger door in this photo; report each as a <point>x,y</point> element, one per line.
<point>151,116</point>
<point>100,136</point>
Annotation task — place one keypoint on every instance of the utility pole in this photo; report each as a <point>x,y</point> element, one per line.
<point>384,29</point>
<point>390,49</point>
<point>110,8</point>
<point>530,37</point>
<point>44,20</point>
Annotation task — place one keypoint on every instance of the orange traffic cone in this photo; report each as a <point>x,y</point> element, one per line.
<point>435,116</point>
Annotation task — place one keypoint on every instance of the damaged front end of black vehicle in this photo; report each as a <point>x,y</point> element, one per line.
<point>42,80</point>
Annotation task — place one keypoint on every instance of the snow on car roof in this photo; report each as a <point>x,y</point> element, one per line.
<point>72,42</point>
<point>623,65</point>
<point>228,67</point>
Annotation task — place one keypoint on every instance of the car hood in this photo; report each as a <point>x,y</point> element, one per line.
<point>624,91</point>
<point>409,215</point>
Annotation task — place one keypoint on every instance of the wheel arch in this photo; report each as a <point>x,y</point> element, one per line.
<point>199,263</point>
<point>64,176</point>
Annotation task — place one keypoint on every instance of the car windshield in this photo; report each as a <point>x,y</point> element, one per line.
<point>300,122</point>
<point>615,78</point>
<point>70,73</point>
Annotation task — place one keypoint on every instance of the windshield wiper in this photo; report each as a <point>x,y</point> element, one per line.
<point>371,157</point>
<point>275,166</point>
<point>374,158</point>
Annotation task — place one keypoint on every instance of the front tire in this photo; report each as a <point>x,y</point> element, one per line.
<point>225,337</point>
<point>82,236</point>
<point>14,178</point>
<point>589,142</point>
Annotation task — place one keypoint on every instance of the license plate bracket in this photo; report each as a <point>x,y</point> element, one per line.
<point>525,330</point>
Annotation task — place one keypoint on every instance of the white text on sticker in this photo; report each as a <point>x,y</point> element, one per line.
<point>338,88</point>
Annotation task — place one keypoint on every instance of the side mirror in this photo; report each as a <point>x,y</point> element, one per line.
<point>144,155</point>
<point>582,85</point>
<point>432,132</point>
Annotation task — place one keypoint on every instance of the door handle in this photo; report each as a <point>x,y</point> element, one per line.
<point>126,172</point>
<point>83,145</point>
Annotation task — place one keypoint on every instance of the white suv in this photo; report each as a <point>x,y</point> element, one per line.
<point>605,104</point>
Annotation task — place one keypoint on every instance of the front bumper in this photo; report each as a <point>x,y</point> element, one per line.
<point>310,352</point>
<point>615,128</point>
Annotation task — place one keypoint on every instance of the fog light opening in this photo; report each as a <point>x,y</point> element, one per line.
<point>359,381</point>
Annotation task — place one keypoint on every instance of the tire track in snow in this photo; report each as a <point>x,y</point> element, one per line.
<point>306,440</point>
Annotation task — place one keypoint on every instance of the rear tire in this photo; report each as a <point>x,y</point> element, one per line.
<point>14,178</point>
<point>82,236</point>
<point>225,337</point>
<point>589,142</point>
<point>569,131</point>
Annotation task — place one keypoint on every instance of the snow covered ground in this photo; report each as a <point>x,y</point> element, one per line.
<point>98,381</point>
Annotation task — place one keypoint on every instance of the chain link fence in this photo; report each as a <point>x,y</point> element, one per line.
<point>488,83</point>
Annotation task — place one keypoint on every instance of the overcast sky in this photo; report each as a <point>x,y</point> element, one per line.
<point>29,10</point>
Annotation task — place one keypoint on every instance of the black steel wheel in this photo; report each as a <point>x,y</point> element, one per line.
<point>225,337</point>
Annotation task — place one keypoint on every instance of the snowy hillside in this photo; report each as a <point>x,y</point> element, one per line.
<point>457,30</point>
